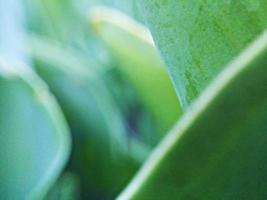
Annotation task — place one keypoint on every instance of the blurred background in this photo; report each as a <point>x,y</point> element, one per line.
<point>99,61</point>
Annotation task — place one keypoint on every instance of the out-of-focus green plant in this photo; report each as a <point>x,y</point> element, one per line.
<point>66,188</point>
<point>99,152</point>
<point>110,82</point>
<point>34,141</point>
<point>34,137</point>
<point>139,61</point>
<point>102,147</point>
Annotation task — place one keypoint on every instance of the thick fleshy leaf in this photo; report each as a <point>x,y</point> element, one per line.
<point>218,149</point>
<point>35,141</point>
<point>198,38</point>
<point>139,61</point>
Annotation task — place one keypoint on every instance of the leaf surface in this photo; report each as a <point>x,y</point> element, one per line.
<point>218,149</point>
<point>198,38</point>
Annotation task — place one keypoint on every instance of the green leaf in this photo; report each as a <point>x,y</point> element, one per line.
<point>84,98</point>
<point>218,149</point>
<point>103,155</point>
<point>35,141</point>
<point>66,188</point>
<point>198,38</point>
<point>139,61</point>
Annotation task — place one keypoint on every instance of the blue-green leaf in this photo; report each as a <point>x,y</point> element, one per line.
<point>35,142</point>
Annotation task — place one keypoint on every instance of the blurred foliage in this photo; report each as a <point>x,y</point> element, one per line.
<point>66,188</point>
<point>113,129</point>
<point>86,100</point>
<point>31,159</point>
<point>138,60</point>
